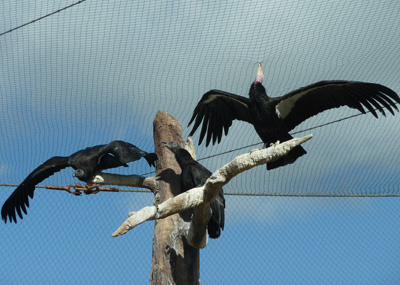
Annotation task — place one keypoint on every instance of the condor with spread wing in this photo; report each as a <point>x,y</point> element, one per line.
<point>194,175</point>
<point>86,162</point>
<point>273,118</point>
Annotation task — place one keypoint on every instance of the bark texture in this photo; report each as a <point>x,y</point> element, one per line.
<point>173,260</point>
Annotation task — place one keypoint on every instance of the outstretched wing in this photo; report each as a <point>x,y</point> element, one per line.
<point>217,109</point>
<point>19,198</point>
<point>124,152</point>
<point>299,105</point>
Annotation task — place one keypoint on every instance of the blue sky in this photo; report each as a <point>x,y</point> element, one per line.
<point>99,71</point>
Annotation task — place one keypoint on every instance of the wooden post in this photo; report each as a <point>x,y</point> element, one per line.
<point>173,261</point>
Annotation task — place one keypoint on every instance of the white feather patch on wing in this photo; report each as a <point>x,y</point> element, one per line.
<point>284,107</point>
<point>213,97</point>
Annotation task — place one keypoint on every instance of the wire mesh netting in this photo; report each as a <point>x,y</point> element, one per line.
<point>82,73</point>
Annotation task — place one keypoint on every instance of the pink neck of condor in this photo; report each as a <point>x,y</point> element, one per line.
<point>260,75</point>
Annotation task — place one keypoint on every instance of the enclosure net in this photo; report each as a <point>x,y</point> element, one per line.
<point>82,73</point>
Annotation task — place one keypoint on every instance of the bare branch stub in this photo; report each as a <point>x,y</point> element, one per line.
<point>126,180</point>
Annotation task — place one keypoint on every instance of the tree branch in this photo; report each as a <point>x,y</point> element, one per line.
<point>207,193</point>
<point>126,180</point>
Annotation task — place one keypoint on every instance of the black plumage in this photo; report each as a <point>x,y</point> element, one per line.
<point>273,118</point>
<point>86,162</point>
<point>194,175</point>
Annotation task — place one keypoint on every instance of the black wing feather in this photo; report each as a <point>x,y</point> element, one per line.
<point>217,220</point>
<point>107,161</point>
<point>386,102</point>
<point>19,198</point>
<point>216,110</point>
<point>370,98</point>
<point>194,175</point>
<point>204,127</point>
<point>301,104</point>
<point>124,152</point>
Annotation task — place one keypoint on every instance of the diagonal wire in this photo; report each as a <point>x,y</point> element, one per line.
<point>41,18</point>
<point>294,133</point>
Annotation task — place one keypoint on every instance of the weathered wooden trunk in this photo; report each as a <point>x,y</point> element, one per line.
<point>173,261</point>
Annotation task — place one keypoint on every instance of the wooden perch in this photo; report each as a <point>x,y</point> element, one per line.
<point>208,192</point>
<point>126,180</point>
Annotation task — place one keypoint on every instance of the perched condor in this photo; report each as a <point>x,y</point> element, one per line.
<point>86,162</point>
<point>194,175</point>
<point>273,118</point>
